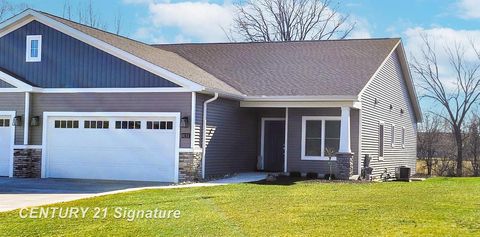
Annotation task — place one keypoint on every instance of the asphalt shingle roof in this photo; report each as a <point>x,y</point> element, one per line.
<point>308,68</point>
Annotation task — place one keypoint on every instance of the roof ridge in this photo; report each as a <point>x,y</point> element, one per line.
<point>279,42</point>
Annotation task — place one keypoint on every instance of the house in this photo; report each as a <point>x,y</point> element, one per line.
<point>78,102</point>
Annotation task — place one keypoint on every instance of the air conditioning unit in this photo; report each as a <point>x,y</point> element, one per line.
<point>402,173</point>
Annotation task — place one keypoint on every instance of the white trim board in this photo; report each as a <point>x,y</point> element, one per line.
<point>12,115</point>
<point>262,138</point>
<point>30,15</point>
<point>46,116</point>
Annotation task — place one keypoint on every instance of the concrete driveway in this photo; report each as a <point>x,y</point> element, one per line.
<point>19,193</point>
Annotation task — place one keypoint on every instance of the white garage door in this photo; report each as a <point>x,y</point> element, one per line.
<point>5,145</point>
<point>113,147</point>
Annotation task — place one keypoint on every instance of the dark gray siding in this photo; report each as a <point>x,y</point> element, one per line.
<point>70,63</point>
<point>4,84</point>
<point>109,102</point>
<point>231,136</point>
<point>389,88</point>
<point>294,161</point>
<point>14,102</point>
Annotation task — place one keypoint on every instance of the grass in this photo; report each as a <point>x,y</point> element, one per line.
<point>436,207</point>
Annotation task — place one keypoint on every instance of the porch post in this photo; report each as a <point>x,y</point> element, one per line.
<point>285,149</point>
<point>345,131</point>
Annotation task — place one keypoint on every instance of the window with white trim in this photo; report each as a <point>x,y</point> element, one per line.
<point>34,48</point>
<point>320,137</point>
<point>392,135</point>
<point>381,140</point>
<point>403,137</point>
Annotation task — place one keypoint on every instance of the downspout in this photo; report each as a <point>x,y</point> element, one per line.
<point>204,131</point>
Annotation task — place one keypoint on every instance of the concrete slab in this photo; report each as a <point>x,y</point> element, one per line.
<point>21,193</point>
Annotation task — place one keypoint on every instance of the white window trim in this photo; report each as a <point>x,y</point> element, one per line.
<point>381,123</point>
<point>304,133</point>
<point>392,135</point>
<point>29,58</point>
<point>403,137</point>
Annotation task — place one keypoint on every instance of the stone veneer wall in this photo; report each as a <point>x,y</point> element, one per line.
<point>344,165</point>
<point>190,166</point>
<point>27,163</point>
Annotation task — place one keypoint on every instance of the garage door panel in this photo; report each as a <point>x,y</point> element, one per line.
<point>111,153</point>
<point>5,143</point>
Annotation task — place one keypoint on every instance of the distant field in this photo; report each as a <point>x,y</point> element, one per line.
<point>422,168</point>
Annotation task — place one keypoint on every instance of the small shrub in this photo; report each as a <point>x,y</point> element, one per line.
<point>295,174</point>
<point>312,175</point>
<point>327,176</point>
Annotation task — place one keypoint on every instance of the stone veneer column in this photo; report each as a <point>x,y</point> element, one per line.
<point>27,163</point>
<point>190,166</point>
<point>344,165</point>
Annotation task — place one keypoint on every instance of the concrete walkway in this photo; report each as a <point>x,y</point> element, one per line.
<point>20,193</point>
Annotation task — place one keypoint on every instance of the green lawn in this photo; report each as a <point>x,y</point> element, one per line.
<point>436,207</point>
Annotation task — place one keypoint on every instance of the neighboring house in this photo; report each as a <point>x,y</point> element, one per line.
<point>77,102</point>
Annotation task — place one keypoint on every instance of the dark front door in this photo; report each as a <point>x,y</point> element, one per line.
<point>273,145</point>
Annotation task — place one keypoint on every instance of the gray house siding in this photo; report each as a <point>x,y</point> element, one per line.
<point>231,136</point>
<point>4,84</point>
<point>109,102</point>
<point>294,160</point>
<point>389,88</point>
<point>70,63</point>
<point>14,102</point>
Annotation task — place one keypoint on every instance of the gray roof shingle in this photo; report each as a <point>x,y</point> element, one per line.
<point>308,68</point>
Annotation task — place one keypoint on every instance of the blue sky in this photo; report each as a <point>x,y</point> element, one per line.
<point>176,21</point>
<point>144,19</point>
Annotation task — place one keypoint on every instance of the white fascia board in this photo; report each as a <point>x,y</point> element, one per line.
<point>12,25</point>
<point>112,90</point>
<point>302,98</point>
<point>22,86</point>
<point>300,104</point>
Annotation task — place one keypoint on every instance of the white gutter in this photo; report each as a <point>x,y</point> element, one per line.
<point>204,131</point>
<point>26,118</point>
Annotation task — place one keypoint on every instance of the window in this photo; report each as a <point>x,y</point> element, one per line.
<point>381,138</point>
<point>4,122</point>
<point>403,137</point>
<point>96,124</point>
<point>320,137</point>
<point>128,125</point>
<point>392,135</point>
<point>34,48</point>
<point>66,123</point>
<point>160,125</point>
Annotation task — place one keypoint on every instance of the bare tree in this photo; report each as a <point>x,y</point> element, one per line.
<point>117,23</point>
<point>429,136</point>
<point>289,20</point>
<point>473,144</point>
<point>8,9</point>
<point>458,101</point>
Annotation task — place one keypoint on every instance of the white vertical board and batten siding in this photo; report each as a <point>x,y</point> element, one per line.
<point>389,88</point>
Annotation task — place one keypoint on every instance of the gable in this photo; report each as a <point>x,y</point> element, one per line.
<point>71,63</point>
<point>4,84</point>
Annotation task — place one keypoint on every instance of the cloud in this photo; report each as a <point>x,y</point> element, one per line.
<point>469,9</point>
<point>362,28</point>
<point>185,21</point>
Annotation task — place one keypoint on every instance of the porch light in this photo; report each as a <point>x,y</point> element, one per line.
<point>17,121</point>
<point>184,122</point>
<point>35,121</point>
